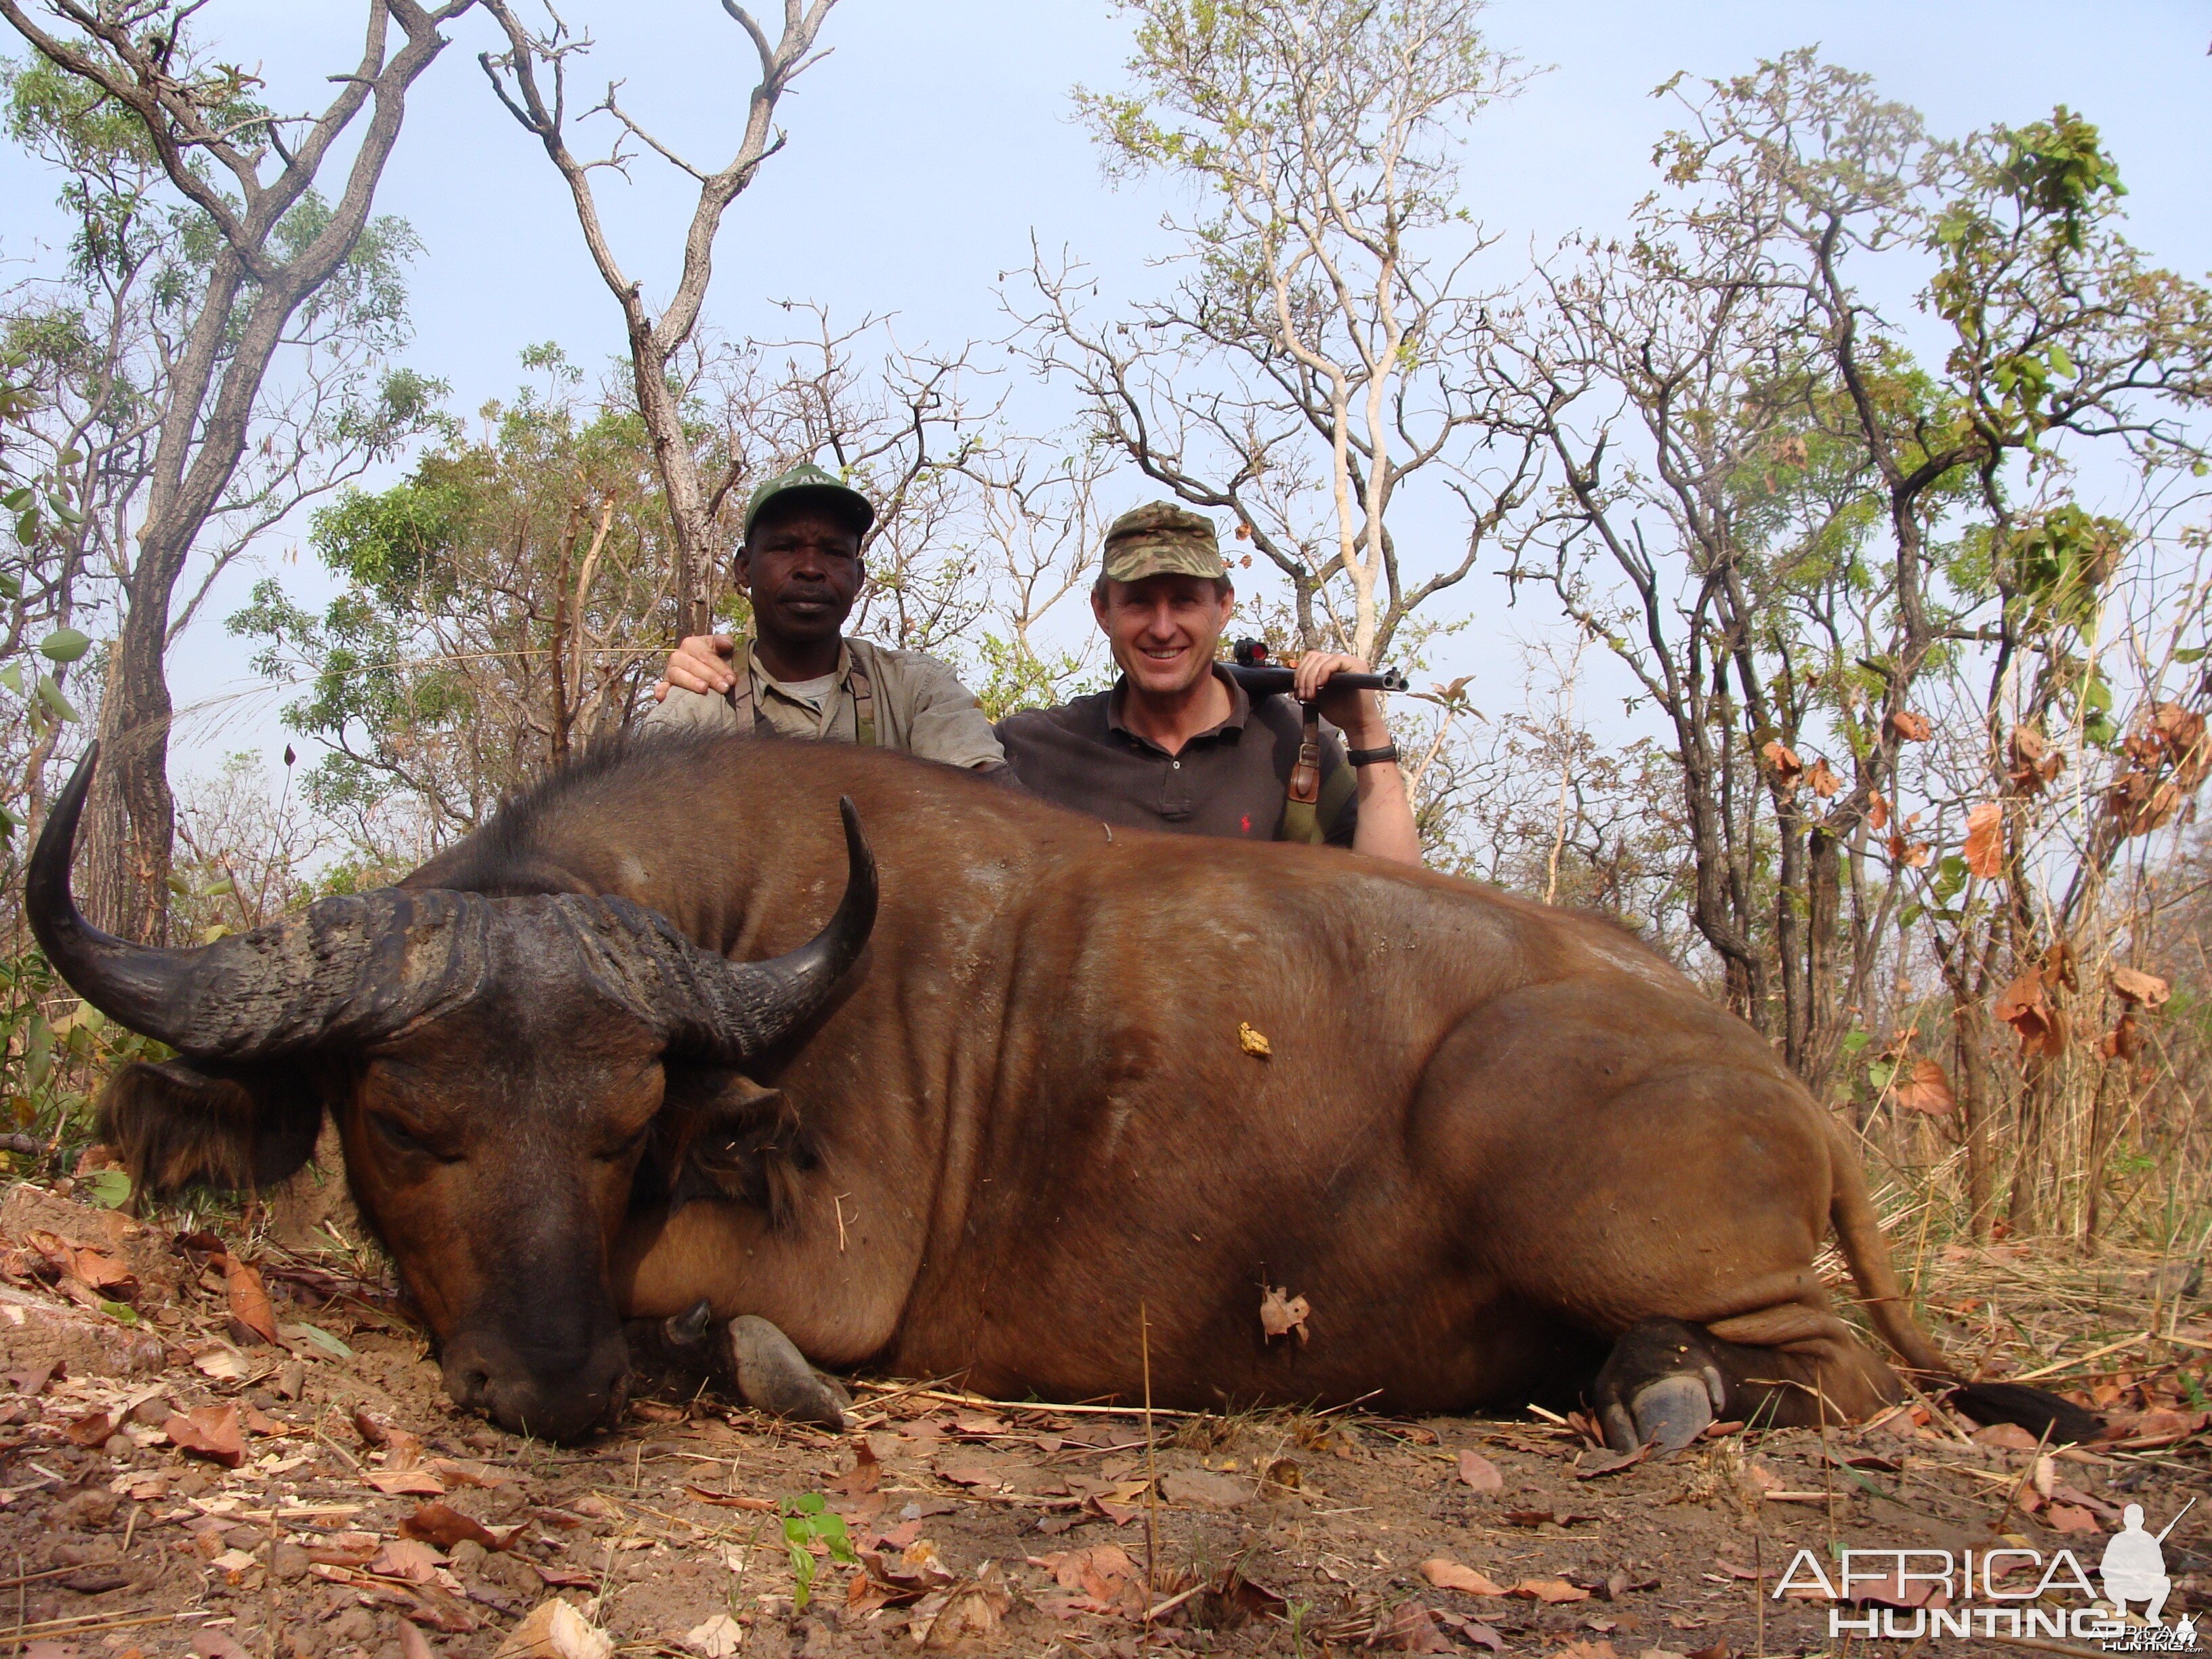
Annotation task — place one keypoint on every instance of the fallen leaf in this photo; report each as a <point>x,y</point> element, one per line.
<point>1281,1313</point>
<point>1478,1472</point>
<point>1613,1462</point>
<point>249,1300</point>
<point>2065,1517</point>
<point>1252,1043</point>
<point>1447,1574</point>
<point>1925,1089</point>
<point>1201,1489</point>
<point>554,1630</point>
<point>866,1474</point>
<point>727,1500</point>
<point>718,1639</point>
<point>463,1472</point>
<point>1549,1591</point>
<point>1985,848</point>
<point>209,1432</point>
<point>410,1559</point>
<point>444,1526</point>
<point>217,1644</point>
<point>2010,1436</point>
<point>406,1483</point>
<point>1413,1629</point>
<point>1585,1649</point>
<point>91,1430</point>
<point>413,1645</point>
<point>223,1363</point>
<point>2133,985</point>
<point>968,1475</point>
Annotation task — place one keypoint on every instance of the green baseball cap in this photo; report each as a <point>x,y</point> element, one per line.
<point>809,482</point>
<point>1161,539</point>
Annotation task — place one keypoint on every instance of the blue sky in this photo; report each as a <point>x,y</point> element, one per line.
<point>936,139</point>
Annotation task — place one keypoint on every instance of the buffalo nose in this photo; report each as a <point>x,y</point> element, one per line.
<point>546,1397</point>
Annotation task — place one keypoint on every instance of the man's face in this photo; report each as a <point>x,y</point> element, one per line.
<point>803,569</point>
<point>1163,630</point>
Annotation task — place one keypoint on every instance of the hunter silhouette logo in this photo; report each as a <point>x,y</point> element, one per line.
<point>2134,1567</point>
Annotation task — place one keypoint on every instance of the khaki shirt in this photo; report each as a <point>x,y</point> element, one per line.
<point>920,707</point>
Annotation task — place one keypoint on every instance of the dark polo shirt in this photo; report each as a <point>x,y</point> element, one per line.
<point>1230,780</point>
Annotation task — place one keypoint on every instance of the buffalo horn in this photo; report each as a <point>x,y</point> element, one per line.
<point>349,969</point>
<point>733,1010</point>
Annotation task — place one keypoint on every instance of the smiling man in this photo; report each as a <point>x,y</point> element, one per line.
<point>799,675</point>
<point>1176,745</point>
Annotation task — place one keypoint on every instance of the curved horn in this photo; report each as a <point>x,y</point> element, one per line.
<point>132,984</point>
<point>349,969</point>
<point>739,1008</point>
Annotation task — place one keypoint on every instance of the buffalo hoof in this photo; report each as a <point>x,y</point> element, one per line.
<point>774,1377</point>
<point>688,1330</point>
<point>1662,1384</point>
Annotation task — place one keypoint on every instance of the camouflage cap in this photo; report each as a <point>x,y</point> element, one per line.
<point>807,482</point>
<point>1161,539</point>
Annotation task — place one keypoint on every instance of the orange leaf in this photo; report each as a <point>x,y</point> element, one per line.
<point>444,1526</point>
<point>1281,1313</point>
<point>2133,985</point>
<point>1447,1574</point>
<point>210,1431</point>
<point>249,1301</point>
<point>1878,811</point>
<point>2023,1005</point>
<point>1787,768</point>
<point>1548,1590</point>
<point>1478,1472</point>
<point>1909,726</point>
<point>1926,1090</point>
<point>1985,841</point>
<point>1823,779</point>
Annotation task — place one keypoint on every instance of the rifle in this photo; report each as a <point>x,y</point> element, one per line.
<point>1260,678</point>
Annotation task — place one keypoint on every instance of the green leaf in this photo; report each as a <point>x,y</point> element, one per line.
<point>109,1188</point>
<point>2193,654</point>
<point>121,1312</point>
<point>50,693</point>
<point>64,645</point>
<point>1908,916</point>
<point>10,585</point>
<point>219,888</point>
<point>12,677</point>
<point>1855,1041</point>
<point>316,1336</point>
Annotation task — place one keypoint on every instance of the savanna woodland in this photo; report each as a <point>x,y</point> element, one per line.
<point>1846,501</point>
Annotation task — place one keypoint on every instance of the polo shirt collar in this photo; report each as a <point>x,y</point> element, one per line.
<point>1240,710</point>
<point>844,670</point>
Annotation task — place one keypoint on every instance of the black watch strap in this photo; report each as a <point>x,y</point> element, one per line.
<point>1389,751</point>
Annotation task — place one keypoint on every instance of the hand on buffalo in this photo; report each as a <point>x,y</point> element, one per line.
<point>701,664</point>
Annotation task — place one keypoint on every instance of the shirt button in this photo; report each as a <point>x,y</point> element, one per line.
<point>1177,764</point>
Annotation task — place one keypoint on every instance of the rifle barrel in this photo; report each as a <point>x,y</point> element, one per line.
<point>1266,679</point>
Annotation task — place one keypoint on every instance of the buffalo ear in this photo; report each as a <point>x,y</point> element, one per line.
<point>723,1136</point>
<point>175,1125</point>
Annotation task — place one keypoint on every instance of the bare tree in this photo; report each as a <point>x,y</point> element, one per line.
<point>531,78</point>
<point>1326,342</point>
<point>274,247</point>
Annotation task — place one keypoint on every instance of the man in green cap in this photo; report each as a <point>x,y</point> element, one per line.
<point>1176,745</point>
<point>799,675</point>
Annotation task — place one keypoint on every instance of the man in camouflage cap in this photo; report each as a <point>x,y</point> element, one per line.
<point>799,675</point>
<point>1176,745</point>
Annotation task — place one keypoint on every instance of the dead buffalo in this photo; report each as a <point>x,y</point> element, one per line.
<point>597,1061</point>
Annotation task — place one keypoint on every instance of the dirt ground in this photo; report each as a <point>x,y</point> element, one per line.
<point>172,1480</point>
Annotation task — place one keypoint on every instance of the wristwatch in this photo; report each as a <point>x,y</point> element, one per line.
<point>1389,751</point>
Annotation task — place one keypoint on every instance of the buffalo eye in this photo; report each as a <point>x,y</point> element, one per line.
<point>397,1136</point>
<point>629,1144</point>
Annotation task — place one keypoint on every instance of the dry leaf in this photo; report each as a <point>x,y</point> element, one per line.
<point>730,1500</point>
<point>1878,811</point>
<point>1910,727</point>
<point>1251,1042</point>
<point>1985,841</point>
<point>718,1639</point>
<point>2133,985</point>
<point>1925,1089</point>
<point>224,1363</point>
<point>413,1645</point>
<point>1413,1629</point>
<point>554,1630</point>
<point>1782,759</point>
<point>1447,1574</point>
<point>1480,1472</point>
<point>1550,1591</point>
<point>2033,764</point>
<point>1912,854</point>
<point>410,1559</point>
<point>444,1526</point>
<point>1823,779</point>
<point>2023,1005</point>
<point>1281,1313</point>
<point>406,1483</point>
<point>249,1300</point>
<point>91,1430</point>
<point>209,1432</point>
<point>2065,1517</point>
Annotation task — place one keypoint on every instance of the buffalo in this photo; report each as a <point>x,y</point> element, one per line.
<point>658,1037</point>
